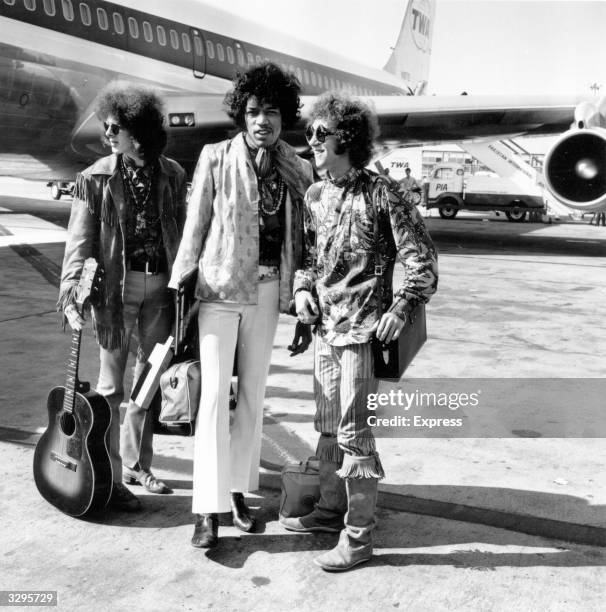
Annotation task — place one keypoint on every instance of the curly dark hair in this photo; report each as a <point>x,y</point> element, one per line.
<point>137,109</point>
<point>355,123</point>
<point>270,85</point>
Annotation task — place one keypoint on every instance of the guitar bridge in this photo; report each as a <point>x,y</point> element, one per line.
<point>66,463</point>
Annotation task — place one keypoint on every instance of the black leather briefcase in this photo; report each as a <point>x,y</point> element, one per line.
<point>392,359</point>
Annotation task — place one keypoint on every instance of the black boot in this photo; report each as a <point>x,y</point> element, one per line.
<point>241,514</point>
<point>205,531</point>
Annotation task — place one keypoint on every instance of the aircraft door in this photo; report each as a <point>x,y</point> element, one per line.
<point>198,54</point>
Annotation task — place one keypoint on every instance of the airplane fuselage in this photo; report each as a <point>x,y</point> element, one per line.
<point>56,55</point>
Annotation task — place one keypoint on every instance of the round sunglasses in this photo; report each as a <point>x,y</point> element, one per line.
<point>113,128</point>
<point>320,132</point>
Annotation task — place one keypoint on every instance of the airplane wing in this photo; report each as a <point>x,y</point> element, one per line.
<point>425,119</point>
<point>194,120</point>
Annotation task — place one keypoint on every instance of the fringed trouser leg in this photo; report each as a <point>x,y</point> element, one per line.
<point>343,378</point>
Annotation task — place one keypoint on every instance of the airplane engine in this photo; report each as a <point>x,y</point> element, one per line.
<point>575,169</point>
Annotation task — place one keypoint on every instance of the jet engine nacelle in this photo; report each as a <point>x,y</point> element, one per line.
<point>575,169</point>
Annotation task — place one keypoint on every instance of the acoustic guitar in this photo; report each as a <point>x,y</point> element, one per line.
<point>72,469</point>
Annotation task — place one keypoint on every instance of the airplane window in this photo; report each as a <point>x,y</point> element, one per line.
<point>259,59</point>
<point>299,74</point>
<point>210,49</point>
<point>68,10</point>
<point>326,82</point>
<point>187,43</point>
<point>102,19</point>
<point>118,23</point>
<point>133,27</point>
<point>161,35</point>
<point>148,33</point>
<point>30,5</point>
<point>332,83</point>
<point>220,52</point>
<point>85,15</point>
<point>240,55</point>
<point>198,46</point>
<point>313,78</point>
<point>251,59</point>
<point>49,7</point>
<point>174,39</point>
<point>306,76</point>
<point>230,55</point>
<point>291,68</point>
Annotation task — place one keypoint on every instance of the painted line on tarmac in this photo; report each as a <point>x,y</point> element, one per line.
<point>27,316</point>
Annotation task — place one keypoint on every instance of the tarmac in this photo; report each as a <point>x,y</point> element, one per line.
<point>514,500</point>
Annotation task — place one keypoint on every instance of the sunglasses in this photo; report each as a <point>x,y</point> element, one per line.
<point>113,128</point>
<point>320,132</point>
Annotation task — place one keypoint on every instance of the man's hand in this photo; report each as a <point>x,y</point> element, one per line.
<point>74,318</point>
<point>301,339</point>
<point>306,308</point>
<point>390,327</point>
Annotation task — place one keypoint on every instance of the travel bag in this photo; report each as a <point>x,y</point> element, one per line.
<point>300,488</point>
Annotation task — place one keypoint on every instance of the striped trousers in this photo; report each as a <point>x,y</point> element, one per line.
<point>343,378</point>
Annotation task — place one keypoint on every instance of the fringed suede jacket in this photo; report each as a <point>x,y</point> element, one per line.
<point>97,227</point>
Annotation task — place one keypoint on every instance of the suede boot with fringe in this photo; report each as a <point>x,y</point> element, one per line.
<point>355,542</point>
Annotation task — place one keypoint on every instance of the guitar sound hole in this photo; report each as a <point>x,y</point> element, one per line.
<point>68,424</point>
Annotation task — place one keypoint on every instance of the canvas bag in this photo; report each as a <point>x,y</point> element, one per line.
<point>300,488</point>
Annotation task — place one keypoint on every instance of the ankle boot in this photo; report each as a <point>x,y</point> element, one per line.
<point>241,514</point>
<point>355,541</point>
<point>206,531</point>
<point>328,513</point>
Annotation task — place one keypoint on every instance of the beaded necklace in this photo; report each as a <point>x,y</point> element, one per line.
<point>273,195</point>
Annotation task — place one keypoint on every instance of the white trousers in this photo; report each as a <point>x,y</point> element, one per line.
<point>227,461</point>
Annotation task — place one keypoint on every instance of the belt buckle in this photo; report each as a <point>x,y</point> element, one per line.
<point>379,270</point>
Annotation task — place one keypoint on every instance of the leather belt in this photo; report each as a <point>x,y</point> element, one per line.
<point>151,269</point>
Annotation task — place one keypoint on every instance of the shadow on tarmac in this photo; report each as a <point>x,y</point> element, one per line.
<point>175,510</point>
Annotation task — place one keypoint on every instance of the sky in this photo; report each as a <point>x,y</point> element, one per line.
<point>479,46</point>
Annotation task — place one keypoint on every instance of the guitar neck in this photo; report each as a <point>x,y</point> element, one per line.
<point>71,379</point>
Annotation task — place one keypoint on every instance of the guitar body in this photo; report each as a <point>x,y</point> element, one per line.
<point>72,469</point>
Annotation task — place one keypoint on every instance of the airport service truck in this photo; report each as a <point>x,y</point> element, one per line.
<point>451,189</point>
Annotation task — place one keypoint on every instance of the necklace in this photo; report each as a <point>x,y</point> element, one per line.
<point>139,199</point>
<point>272,195</point>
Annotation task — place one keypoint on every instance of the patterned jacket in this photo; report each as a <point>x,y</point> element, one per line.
<point>339,232</point>
<point>221,234</point>
<point>97,228</point>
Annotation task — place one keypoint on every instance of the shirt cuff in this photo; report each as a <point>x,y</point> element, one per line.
<point>402,308</point>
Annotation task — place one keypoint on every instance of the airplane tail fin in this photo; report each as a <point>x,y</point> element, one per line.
<point>412,51</point>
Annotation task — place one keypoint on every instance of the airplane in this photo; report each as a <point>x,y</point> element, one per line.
<point>56,55</point>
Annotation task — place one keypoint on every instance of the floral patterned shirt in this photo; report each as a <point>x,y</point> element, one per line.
<point>340,260</point>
